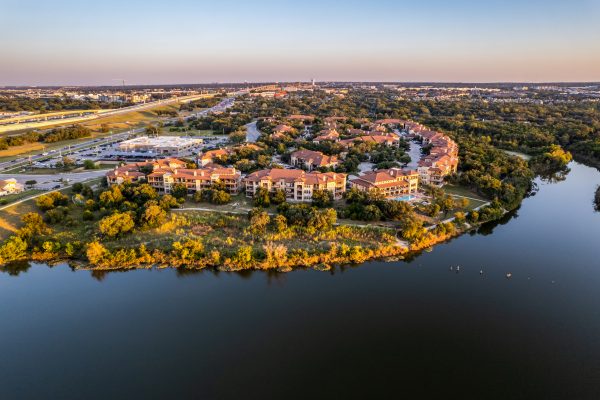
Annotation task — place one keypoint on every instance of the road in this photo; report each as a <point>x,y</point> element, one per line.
<point>49,181</point>
<point>252,132</point>
<point>117,137</point>
<point>51,119</point>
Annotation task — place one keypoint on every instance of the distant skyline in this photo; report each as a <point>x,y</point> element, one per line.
<point>66,42</point>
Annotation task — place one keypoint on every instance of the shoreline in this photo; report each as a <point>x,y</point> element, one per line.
<point>387,253</point>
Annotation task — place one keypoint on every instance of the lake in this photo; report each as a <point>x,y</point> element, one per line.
<point>378,330</point>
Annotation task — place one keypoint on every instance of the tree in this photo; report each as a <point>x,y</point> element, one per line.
<point>446,204</point>
<point>322,219</point>
<point>179,191</point>
<point>104,128</point>
<point>237,136</point>
<point>463,203</point>
<point>154,215</point>
<point>220,197</point>
<point>152,130</point>
<point>460,217</point>
<point>167,202</point>
<point>279,223</point>
<point>412,229</point>
<point>278,196</point>
<point>261,197</point>
<point>87,215</point>
<point>31,183</point>
<point>191,249</point>
<point>89,164</point>
<point>34,227</point>
<point>111,197</point>
<point>322,198</point>
<point>116,224</point>
<point>259,220</point>
<point>96,252</point>
<point>51,200</point>
<point>13,249</point>
<point>371,213</point>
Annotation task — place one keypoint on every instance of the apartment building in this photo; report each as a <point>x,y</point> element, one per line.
<point>164,174</point>
<point>392,183</point>
<point>195,179</point>
<point>311,160</point>
<point>297,184</point>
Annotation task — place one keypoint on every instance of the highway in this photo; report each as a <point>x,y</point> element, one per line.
<point>59,118</point>
<point>117,137</point>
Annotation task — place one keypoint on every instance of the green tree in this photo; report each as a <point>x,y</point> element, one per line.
<point>179,191</point>
<point>89,164</point>
<point>322,198</point>
<point>220,197</point>
<point>278,196</point>
<point>261,198</point>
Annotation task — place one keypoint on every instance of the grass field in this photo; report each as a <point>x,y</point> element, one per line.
<point>190,132</point>
<point>10,218</point>
<point>11,198</point>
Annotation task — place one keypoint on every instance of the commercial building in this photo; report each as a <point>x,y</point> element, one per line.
<point>297,184</point>
<point>392,183</point>
<point>310,160</point>
<point>161,145</point>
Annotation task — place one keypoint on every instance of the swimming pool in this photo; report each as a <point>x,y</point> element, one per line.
<point>406,197</point>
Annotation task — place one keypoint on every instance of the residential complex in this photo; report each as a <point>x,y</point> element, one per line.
<point>297,184</point>
<point>327,135</point>
<point>310,160</point>
<point>388,140</point>
<point>164,174</point>
<point>442,159</point>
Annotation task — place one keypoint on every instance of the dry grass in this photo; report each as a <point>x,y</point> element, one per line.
<point>10,218</point>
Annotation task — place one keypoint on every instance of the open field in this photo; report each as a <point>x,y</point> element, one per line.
<point>475,200</point>
<point>190,132</point>
<point>10,218</point>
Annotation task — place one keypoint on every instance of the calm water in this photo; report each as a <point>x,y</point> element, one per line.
<point>372,331</point>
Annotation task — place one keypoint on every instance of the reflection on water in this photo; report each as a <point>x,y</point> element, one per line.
<point>411,329</point>
<point>16,268</point>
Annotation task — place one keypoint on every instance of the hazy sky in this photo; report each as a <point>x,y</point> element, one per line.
<point>180,41</point>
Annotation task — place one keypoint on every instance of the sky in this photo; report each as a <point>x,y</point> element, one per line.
<point>66,42</point>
